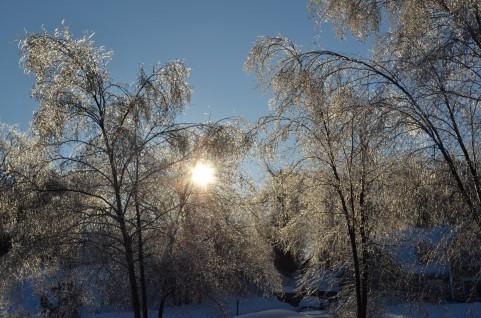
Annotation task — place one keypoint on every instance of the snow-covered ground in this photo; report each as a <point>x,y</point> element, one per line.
<point>256,307</point>
<point>284,313</point>
<point>247,305</point>
<point>426,310</point>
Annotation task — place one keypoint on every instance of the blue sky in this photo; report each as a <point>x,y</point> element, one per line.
<point>212,37</point>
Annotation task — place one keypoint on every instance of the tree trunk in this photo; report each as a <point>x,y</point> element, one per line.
<point>127,242</point>
<point>162,305</point>
<point>129,255</point>
<point>350,223</point>
<point>363,234</point>
<point>361,312</point>
<point>143,284</point>
<point>364,273</point>
<point>364,287</point>
<point>140,246</point>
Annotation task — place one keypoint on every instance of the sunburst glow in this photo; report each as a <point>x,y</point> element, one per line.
<point>203,174</point>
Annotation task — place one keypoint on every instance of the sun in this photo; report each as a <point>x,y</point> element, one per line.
<point>203,174</point>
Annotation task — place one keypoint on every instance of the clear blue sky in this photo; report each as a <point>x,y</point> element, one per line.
<point>213,37</point>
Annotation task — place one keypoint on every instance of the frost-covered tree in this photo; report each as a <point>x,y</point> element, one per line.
<point>213,225</point>
<point>427,68</point>
<point>426,62</point>
<point>423,73</point>
<point>112,167</point>
<point>6,196</point>
<point>344,144</point>
<point>35,243</point>
<point>94,130</point>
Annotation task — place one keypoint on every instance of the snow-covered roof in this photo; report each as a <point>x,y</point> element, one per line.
<point>405,247</point>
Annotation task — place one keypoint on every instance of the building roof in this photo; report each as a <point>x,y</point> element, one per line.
<point>408,245</point>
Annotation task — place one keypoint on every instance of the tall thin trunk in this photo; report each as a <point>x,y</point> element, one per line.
<point>365,262</point>
<point>351,228</point>
<point>127,241</point>
<point>357,275</point>
<point>129,256</point>
<point>162,305</point>
<point>362,228</point>
<point>129,253</point>
<point>143,283</point>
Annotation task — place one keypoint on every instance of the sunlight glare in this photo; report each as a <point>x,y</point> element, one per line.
<point>203,174</point>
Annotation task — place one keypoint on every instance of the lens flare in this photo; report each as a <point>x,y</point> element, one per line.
<point>203,174</point>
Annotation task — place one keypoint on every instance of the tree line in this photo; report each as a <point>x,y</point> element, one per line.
<point>98,191</point>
